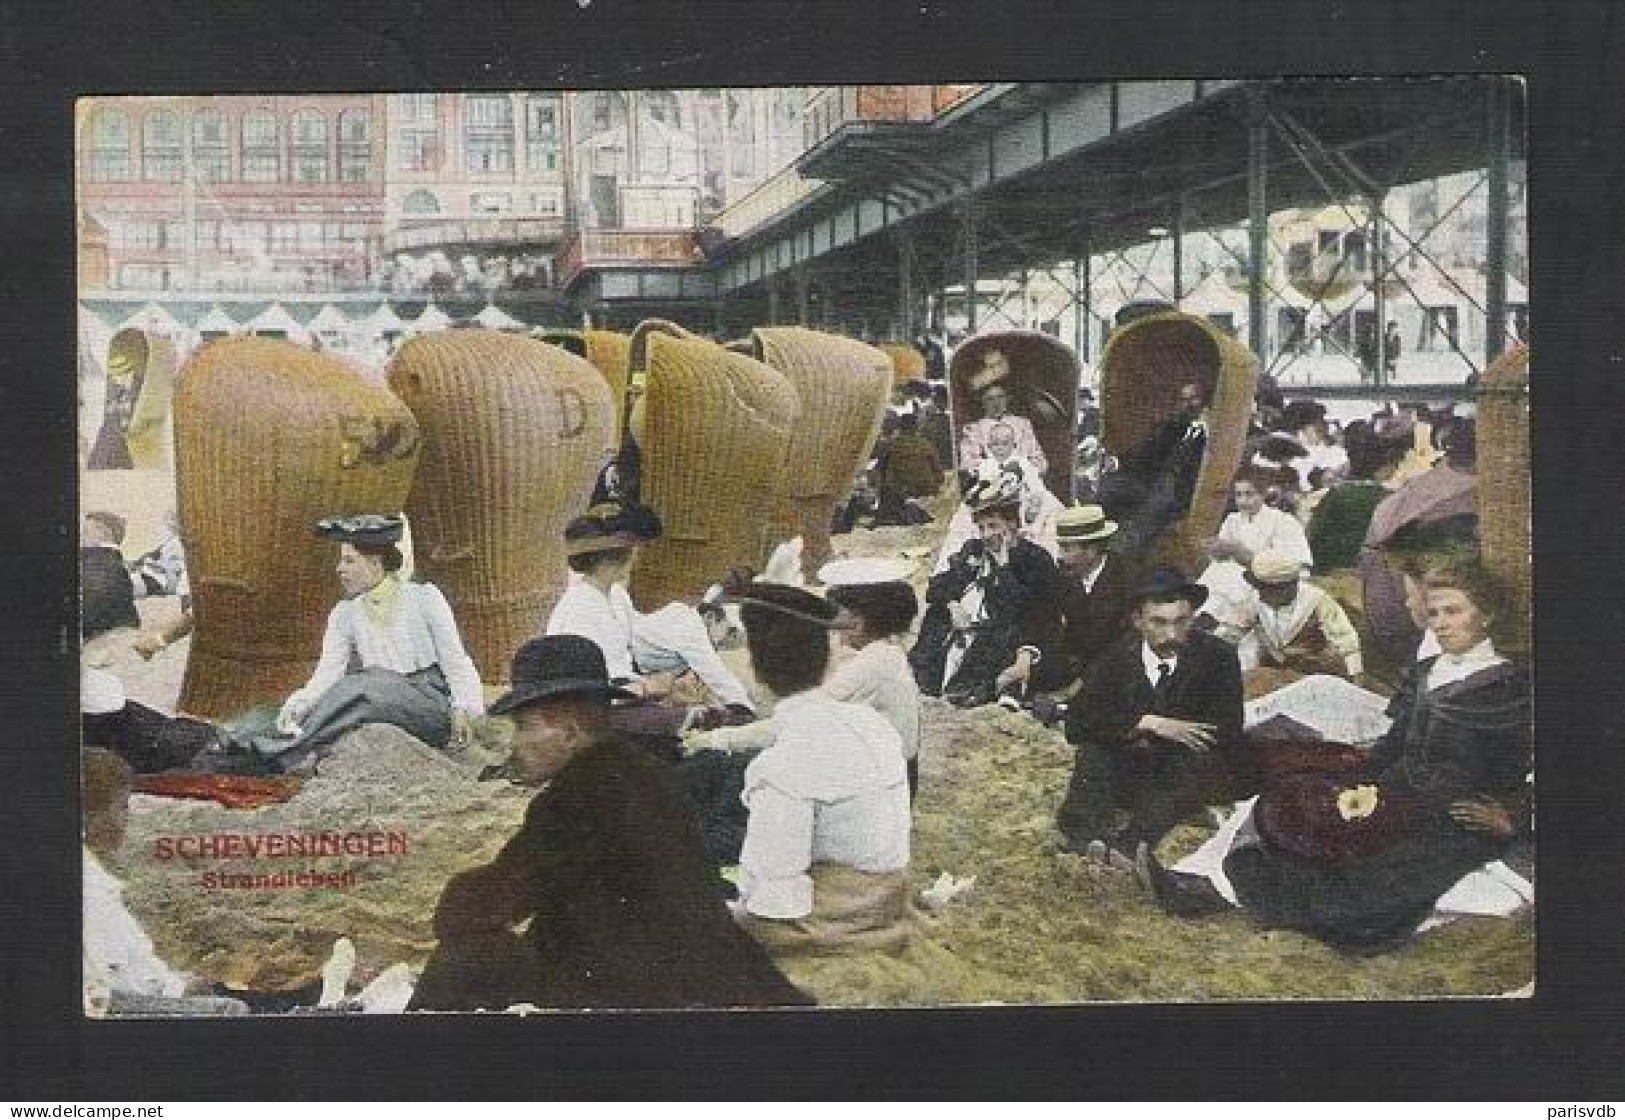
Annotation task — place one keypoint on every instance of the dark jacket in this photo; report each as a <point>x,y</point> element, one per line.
<point>1205,688</point>
<point>107,595</point>
<point>1470,738</point>
<point>1088,622</point>
<point>1169,459</point>
<point>911,467</point>
<point>619,906</point>
<point>1019,601</point>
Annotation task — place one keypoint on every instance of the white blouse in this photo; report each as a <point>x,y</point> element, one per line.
<point>605,620</point>
<point>118,954</point>
<point>419,633</point>
<point>831,789</point>
<point>879,676</point>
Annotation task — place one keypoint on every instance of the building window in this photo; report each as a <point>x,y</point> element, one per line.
<point>355,146</point>
<point>148,235</point>
<point>417,150</point>
<point>161,147</point>
<point>261,148</point>
<point>420,202</point>
<point>284,237</point>
<point>309,147</point>
<point>211,160</point>
<point>110,146</point>
<point>420,107</point>
<point>741,134</point>
<point>490,203</point>
<point>489,133</point>
<point>245,237</point>
<point>146,277</point>
<point>542,132</point>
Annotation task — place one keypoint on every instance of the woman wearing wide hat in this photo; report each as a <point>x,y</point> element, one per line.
<point>825,859</point>
<point>988,601</point>
<point>414,672</point>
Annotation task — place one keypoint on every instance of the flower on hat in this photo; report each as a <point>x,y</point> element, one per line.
<point>1357,802</point>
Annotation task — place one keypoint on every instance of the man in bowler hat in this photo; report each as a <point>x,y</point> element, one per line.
<point>1157,727</point>
<point>605,897</point>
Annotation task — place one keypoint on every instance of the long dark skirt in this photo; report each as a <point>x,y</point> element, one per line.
<point>418,703</point>
<point>1370,903</point>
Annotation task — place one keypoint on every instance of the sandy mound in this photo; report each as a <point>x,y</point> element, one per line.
<point>380,781</point>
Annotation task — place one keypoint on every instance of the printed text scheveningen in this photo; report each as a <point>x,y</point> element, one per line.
<point>280,845</point>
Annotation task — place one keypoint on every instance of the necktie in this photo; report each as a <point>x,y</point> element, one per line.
<point>1164,672</point>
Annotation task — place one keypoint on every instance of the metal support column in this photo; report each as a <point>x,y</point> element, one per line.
<point>1375,241</point>
<point>967,232</point>
<point>1083,266</point>
<point>773,300</point>
<point>1179,250</point>
<point>1258,225</point>
<point>1495,225</point>
<point>803,284</point>
<point>905,285</point>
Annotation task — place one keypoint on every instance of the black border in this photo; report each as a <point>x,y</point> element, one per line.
<point>1564,1046</point>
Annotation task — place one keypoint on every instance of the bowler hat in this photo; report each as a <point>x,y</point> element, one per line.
<point>1164,584</point>
<point>554,666</point>
<point>362,528</point>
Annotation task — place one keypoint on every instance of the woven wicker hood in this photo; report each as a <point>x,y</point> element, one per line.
<point>1503,487</point>
<point>1141,371</point>
<point>843,386</point>
<point>716,428</point>
<point>514,435</point>
<point>270,437</point>
<point>1043,387</point>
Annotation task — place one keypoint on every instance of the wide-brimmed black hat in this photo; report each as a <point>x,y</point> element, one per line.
<point>1164,584</point>
<point>611,525</point>
<point>782,599</point>
<point>362,528</point>
<point>554,666</point>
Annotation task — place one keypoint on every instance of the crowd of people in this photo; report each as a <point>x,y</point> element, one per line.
<point>648,873</point>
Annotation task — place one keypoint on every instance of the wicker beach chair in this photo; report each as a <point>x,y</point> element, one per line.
<point>610,352</point>
<point>135,430</point>
<point>908,364</point>
<point>843,386</point>
<point>514,435</point>
<point>712,429</point>
<point>269,438</point>
<point>1503,488</point>
<point>1043,387</point>
<point>1141,371</point>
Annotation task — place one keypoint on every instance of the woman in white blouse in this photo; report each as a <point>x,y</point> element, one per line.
<point>878,607</point>
<point>826,852</point>
<point>414,672</point>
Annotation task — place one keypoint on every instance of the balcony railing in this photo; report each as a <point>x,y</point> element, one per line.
<point>767,201</point>
<point>596,248</point>
<point>433,234</point>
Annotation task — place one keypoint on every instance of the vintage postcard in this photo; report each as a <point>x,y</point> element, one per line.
<point>849,546</point>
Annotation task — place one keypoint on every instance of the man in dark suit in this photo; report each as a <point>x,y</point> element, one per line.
<point>1153,486</point>
<point>1091,606</point>
<point>106,587</point>
<point>1157,727</point>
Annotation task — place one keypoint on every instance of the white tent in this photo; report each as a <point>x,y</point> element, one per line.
<point>496,319</point>
<point>329,320</point>
<point>216,321</point>
<point>155,318</point>
<point>276,320</point>
<point>432,319</point>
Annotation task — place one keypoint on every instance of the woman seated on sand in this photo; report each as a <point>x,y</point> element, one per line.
<point>825,859</point>
<point>415,673</point>
<point>1359,859</point>
<point>877,608</point>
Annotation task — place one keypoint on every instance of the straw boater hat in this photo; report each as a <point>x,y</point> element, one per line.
<point>1272,568</point>
<point>362,528</point>
<point>862,571</point>
<point>1084,523</point>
